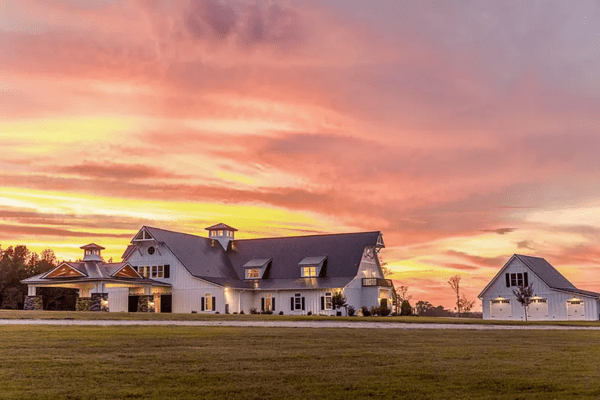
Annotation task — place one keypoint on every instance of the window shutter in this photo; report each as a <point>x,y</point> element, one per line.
<point>202,304</point>
<point>322,302</point>
<point>167,271</point>
<point>525,280</point>
<point>273,304</point>
<point>507,280</point>
<point>214,303</point>
<point>262,304</point>
<point>303,308</point>
<point>292,306</point>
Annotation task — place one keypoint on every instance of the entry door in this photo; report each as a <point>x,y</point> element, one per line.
<point>575,309</point>
<point>500,309</point>
<point>165,303</point>
<point>133,303</point>
<point>538,309</point>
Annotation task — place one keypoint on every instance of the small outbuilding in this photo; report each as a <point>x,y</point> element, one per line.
<point>555,298</point>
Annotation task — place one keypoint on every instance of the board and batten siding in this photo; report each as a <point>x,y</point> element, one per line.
<point>556,300</point>
<point>187,290</point>
<point>358,296</point>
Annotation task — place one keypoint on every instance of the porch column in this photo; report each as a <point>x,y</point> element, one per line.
<point>31,290</point>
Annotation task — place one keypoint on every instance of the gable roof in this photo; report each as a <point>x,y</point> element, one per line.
<point>206,259</point>
<point>201,256</point>
<point>546,272</point>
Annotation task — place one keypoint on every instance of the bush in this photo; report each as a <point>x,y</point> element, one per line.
<point>405,308</point>
<point>217,312</point>
<point>253,311</point>
<point>280,312</point>
<point>351,311</point>
<point>374,311</point>
<point>309,313</point>
<point>242,312</point>
<point>384,311</point>
<point>235,312</point>
<point>365,311</point>
<point>268,312</point>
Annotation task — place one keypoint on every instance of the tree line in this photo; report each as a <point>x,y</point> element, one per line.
<point>18,263</point>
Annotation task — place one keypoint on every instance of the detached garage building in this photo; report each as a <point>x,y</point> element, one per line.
<point>555,298</point>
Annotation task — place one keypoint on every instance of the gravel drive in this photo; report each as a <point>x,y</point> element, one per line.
<point>292,324</point>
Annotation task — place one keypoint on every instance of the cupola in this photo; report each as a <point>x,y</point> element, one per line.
<point>91,252</point>
<point>222,233</point>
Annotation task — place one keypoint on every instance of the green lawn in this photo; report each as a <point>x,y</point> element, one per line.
<point>20,314</point>
<point>226,362</point>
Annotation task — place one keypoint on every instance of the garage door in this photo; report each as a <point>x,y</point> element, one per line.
<point>500,309</point>
<point>538,309</point>
<point>575,309</point>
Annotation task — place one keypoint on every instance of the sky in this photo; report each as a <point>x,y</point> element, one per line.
<point>463,131</point>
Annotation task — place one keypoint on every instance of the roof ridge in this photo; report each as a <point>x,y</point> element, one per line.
<point>304,236</point>
<point>180,233</point>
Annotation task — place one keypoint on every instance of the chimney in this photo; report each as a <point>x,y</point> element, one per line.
<point>222,233</point>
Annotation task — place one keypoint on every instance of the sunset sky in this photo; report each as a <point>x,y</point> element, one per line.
<point>464,131</point>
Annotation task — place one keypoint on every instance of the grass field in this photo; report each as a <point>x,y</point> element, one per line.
<point>215,362</point>
<point>20,314</point>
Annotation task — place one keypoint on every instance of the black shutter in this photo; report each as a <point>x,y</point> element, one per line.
<point>303,308</point>
<point>273,302</point>
<point>292,306</point>
<point>322,302</point>
<point>525,280</point>
<point>167,271</point>
<point>202,304</point>
<point>214,301</point>
<point>507,280</point>
<point>262,304</point>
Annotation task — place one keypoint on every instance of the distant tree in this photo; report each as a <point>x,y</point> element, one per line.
<point>406,308</point>
<point>422,307</point>
<point>466,305</point>
<point>454,283</point>
<point>524,295</point>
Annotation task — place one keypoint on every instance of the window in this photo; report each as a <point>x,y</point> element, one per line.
<point>154,271</point>
<point>160,272</point>
<point>297,301</point>
<point>309,272</point>
<point>500,301</point>
<point>517,279</point>
<point>145,271</point>
<point>268,302</point>
<point>328,301</point>
<point>208,301</point>
<point>252,273</point>
<point>539,300</point>
<point>151,250</point>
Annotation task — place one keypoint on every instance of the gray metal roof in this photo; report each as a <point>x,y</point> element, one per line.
<point>221,226</point>
<point>207,260</point>
<point>257,263</point>
<point>312,260</point>
<point>545,272</point>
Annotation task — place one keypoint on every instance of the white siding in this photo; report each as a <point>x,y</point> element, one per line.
<point>187,290</point>
<point>359,296</point>
<point>557,300</point>
<point>118,299</point>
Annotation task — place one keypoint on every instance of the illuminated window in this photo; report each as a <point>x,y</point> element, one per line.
<point>208,301</point>
<point>154,271</point>
<point>252,273</point>
<point>268,302</point>
<point>309,272</point>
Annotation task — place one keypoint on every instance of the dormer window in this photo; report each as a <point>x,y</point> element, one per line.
<point>312,267</point>
<point>142,236</point>
<point>257,268</point>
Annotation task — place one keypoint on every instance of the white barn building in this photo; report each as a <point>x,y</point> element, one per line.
<point>555,298</point>
<point>167,271</point>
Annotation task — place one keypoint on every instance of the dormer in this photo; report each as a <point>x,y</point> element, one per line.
<point>312,267</point>
<point>91,252</point>
<point>257,268</point>
<point>222,233</point>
